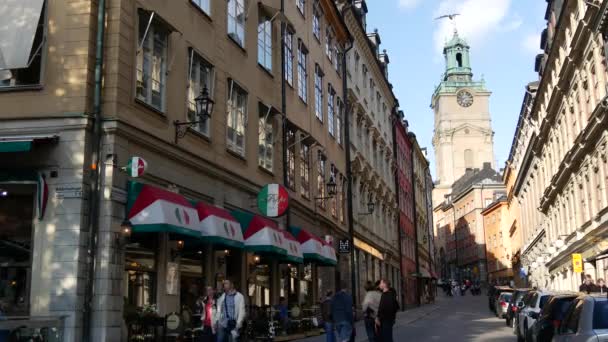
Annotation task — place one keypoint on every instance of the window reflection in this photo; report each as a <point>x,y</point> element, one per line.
<point>140,270</point>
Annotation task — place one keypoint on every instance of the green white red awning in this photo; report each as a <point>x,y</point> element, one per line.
<point>155,210</point>
<point>261,235</point>
<point>330,254</point>
<point>217,226</point>
<point>294,250</point>
<point>313,249</point>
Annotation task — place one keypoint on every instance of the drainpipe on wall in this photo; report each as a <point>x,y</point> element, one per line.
<point>429,217</point>
<point>349,185</point>
<point>95,175</point>
<point>415,228</point>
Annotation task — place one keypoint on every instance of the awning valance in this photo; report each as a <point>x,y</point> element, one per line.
<point>313,249</point>
<point>294,250</point>
<point>260,234</point>
<point>330,254</point>
<point>217,226</point>
<point>152,209</point>
<point>23,143</point>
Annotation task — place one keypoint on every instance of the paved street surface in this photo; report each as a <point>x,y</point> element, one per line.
<point>450,319</point>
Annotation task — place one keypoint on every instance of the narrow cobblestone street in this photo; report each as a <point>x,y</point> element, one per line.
<point>450,319</point>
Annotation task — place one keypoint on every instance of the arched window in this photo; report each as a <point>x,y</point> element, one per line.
<point>468,159</point>
<point>459,59</point>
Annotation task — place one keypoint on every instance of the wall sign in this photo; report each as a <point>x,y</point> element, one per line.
<point>344,246</point>
<point>577,263</point>
<point>68,192</point>
<point>273,200</point>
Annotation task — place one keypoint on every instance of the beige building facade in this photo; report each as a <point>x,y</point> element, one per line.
<point>561,183</point>
<point>498,241</point>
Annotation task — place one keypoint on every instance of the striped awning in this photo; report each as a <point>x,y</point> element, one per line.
<point>217,226</point>
<point>261,235</point>
<point>330,254</point>
<point>313,249</point>
<point>152,209</point>
<point>294,250</point>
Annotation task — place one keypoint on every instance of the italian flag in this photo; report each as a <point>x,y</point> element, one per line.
<point>273,200</point>
<point>136,167</point>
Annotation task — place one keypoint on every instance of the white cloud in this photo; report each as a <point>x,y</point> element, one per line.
<point>531,43</point>
<point>408,4</point>
<point>512,24</point>
<point>478,19</point>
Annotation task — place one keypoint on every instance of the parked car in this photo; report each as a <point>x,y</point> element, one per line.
<point>520,306</point>
<point>493,294</point>
<point>586,320</point>
<point>529,313</point>
<point>551,317</point>
<point>517,297</point>
<point>502,303</point>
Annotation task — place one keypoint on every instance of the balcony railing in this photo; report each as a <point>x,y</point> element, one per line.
<point>32,328</point>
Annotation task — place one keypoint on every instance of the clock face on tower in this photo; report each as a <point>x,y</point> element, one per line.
<point>464,98</point>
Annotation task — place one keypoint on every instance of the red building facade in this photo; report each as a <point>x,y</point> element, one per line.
<point>404,187</point>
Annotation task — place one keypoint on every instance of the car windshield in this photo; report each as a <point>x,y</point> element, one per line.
<point>560,308</point>
<point>543,300</point>
<point>600,315</point>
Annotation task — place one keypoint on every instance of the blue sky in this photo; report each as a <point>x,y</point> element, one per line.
<point>504,36</point>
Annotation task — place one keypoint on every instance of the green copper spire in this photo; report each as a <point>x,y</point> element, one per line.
<point>457,62</point>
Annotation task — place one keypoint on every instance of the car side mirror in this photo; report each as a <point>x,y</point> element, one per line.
<point>520,305</point>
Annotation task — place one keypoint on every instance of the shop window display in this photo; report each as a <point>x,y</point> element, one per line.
<point>16,213</point>
<point>140,270</point>
<point>192,286</point>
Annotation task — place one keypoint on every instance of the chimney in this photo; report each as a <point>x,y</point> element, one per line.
<point>487,165</point>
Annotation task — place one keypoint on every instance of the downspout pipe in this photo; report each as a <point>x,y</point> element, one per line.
<point>429,217</point>
<point>400,233</point>
<point>349,176</point>
<point>95,174</point>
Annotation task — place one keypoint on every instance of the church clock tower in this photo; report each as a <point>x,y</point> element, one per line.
<point>463,137</point>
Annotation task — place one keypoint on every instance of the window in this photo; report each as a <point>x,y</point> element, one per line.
<point>336,59</point>
<point>265,138</point>
<point>302,73</point>
<point>203,4</point>
<point>316,25</point>
<point>329,44</point>
<point>364,73</point>
<point>459,59</point>
<point>152,62</point>
<point>378,103</point>
<point>236,21</point>
<point>339,120</point>
<point>25,68</point>
<point>201,76</point>
<point>321,179</point>
<point>357,58</point>
<point>600,315</point>
<point>140,269</point>
<point>570,325</point>
<point>468,159</point>
<point>300,5</point>
<point>289,57</point>
<point>318,92</point>
<point>342,197</point>
<point>334,199</point>
<point>330,109</point>
<point>305,170</point>
<point>291,159</point>
<point>265,43</point>
<point>237,118</point>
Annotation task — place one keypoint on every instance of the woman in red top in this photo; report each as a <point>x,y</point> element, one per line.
<point>207,316</point>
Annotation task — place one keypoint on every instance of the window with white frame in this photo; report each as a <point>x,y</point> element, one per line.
<point>316,24</point>
<point>22,63</point>
<point>265,138</point>
<point>237,118</point>
<point>342,199</point>
<point>318,92</point>
<point>329,43</point>
<point>305,170</point>
<point>302,72</point>
<point>288,57</point>
<point>201,77</point>
<point>300,5</point>
<point>334,199</point>
<point>321,160</point>
<point>265,43</point>
<point>331,95</point>
<point>152,62</point>
<point>203,5</point>
<point>336,57</point>
<point>339,120</point>
<point>236,21</point>
<point>291,159</point>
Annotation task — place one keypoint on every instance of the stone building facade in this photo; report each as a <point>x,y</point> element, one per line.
<point>498,241</point>
<point>372,106</point>
<point>561,185</point>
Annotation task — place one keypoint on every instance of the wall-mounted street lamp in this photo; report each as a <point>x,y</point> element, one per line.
<point>177,251</point>
<point>370,207</point>
<point>204,108</point>
<point>122,238</point>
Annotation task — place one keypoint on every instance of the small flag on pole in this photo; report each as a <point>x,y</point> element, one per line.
<point>136,167</point>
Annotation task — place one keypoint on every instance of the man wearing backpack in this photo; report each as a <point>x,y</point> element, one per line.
<point>387,312</point>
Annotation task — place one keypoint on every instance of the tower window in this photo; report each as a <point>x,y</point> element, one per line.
<point>459,59</point>
<point>468,159</point>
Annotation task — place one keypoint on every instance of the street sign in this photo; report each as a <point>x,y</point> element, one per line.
<point>577,263</point>
<point>273,200</point>
<point>344,246</point>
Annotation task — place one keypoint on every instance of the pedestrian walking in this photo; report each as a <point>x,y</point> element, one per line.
<point>327,319</point>
<point>387,312</point>
<point>342,313</point>
<point>208,310</point>
<point>230,314</point>
<point>370,309</point>
<point>588,285</point>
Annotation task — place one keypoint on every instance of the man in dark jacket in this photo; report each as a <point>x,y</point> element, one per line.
<point>342,313</point>
<point>588,286</point>
<point>387,312</point>
<point>327,319</point>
